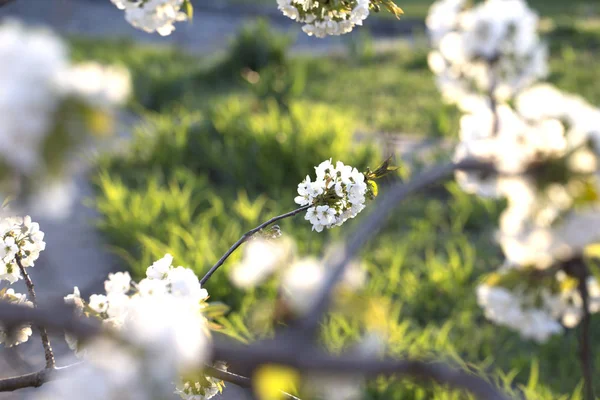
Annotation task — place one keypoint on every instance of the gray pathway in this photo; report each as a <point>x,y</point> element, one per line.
<point>210,30</point>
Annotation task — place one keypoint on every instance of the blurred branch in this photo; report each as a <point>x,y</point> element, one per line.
<point>372,224</point>
<point>247,236</point>
<point>285,348</point>
<point>58,318</point>
<point>585,349</point>
<point>48,353</point>
<point>275,351</point>
<point>286,352</point>
<point>5,2</point>
<point>35,379</point>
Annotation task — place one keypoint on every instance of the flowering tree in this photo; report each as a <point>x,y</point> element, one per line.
<point>520,140</point>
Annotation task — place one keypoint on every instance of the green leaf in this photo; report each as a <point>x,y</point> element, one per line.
<point>216,309</point>
<point>188,9</point>
<point>374,188</point>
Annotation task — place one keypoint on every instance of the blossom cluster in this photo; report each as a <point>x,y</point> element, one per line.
<point>491,48</point>
<point>323,18</point>
<point>20,239</point>
<point>541,147</point>
<point>153,15</point>
<point>207,389</point>
<point>338,193</point>
<point>162,316</point>
<point>62,102</point>
<point>21,242</point>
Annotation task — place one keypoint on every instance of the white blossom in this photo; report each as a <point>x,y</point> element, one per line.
<point>119,282</point>
<point>183,282</point>
<point>161,319</point>
<point>160,269</point>
<point>98,303</point>
<point>320,20</point>
<point>22,238</point>
<point>153,15</point>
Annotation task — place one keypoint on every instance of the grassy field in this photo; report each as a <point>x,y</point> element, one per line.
<point>214,155</point>
<point>391,91</point>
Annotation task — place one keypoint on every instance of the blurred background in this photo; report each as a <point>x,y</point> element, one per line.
<point>233,109</point>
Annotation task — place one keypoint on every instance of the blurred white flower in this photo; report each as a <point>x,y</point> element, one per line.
<point>261,258</point>
<point>27,87</point>
<point>96,84</point>
<point>40,83</point>
<point>491,48</point>
<point>516,312</point>
<point>19,334</point>
<point>302,281</point>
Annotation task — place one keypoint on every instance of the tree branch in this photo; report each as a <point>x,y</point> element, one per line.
<point>58,318</point>
<point>275,351</point>
<point>5,2</point>
<point>35,379</point>
<point>585,350</point>
<point>372,224</point>
<point>283,352</point>
<point>247,236</point>
<point>48,353</point>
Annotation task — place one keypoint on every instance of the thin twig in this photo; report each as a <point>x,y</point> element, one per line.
<point>365,231</point>
<point>247,236</point>
<point>585,350</point>
<point>48,353</point>
<point>35,379</point>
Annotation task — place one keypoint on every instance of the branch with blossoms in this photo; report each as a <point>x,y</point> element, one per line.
<point>320,18</point>
<point>545,147</point>
<point>147,319</point>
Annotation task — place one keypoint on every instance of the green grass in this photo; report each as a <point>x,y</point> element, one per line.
<point>211,159</point>
<point>391,91</point>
